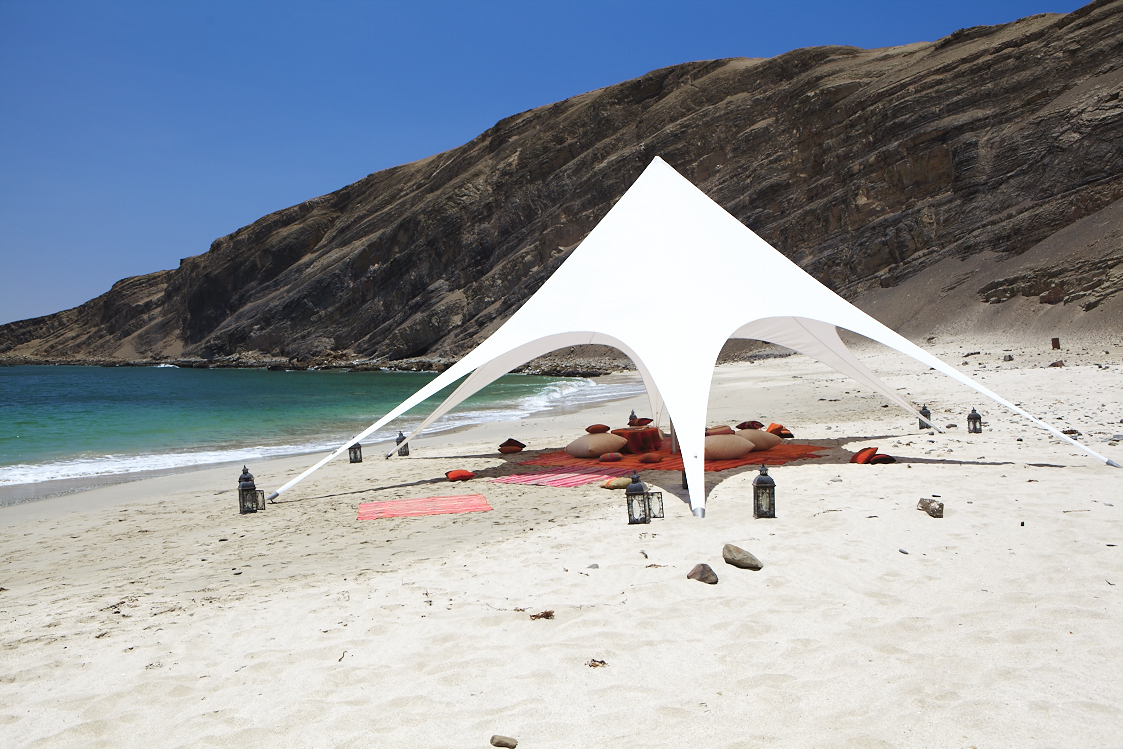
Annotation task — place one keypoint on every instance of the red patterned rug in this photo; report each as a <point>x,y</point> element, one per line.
<point>402,508</point>
<point>779,455</point>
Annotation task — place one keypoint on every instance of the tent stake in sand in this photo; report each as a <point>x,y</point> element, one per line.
<point>664,233</point>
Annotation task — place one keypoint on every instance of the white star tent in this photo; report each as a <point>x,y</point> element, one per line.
<point>668,239</point>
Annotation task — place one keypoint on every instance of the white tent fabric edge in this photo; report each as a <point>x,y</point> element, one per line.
<point>667,237</point>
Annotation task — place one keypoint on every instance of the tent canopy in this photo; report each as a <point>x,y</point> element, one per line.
<point>669,239</point>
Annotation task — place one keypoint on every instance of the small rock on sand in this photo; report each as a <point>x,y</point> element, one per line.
<point>738,557</point>
<point>933,507</point>
<point>703,573</point>
<point>506,741</point>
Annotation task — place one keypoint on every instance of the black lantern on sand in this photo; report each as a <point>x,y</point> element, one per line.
<point>925,422</point>
<point>974,422</point>
<point>642,503</point>
<point>355,453</point>
<point>250,498</point>
<point>764,495</point>
<point>404,449</point>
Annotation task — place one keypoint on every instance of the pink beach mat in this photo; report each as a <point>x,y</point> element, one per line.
<point>570,476</point>
<point>402,508</point>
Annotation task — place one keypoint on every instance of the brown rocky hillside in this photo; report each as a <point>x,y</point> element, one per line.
<point>980,175</point>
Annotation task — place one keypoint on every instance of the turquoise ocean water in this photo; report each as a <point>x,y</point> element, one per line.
<point>86,423</point>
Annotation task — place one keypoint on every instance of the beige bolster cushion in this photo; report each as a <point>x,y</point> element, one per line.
<point>595,445</point>
<point>761,439</point>
<point>727,447</point>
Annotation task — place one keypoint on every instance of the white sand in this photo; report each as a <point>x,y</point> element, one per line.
<point>124,623</point>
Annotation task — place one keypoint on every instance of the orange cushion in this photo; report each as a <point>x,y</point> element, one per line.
<point>597,429</point>
<point>879,458</point>
<point>639,422</point>
<point>508,449</point>
<point>727,447</point>
<point>750,425</point>
<point>611,457</point>
<point>595,445</point>
<point>780,430</point>
<point>650,458</point>
<point>864,455</point>
<point>761,439</point>
<point>459,475</point>
<point>718,430</point>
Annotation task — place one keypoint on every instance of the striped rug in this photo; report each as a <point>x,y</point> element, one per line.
<point>402,508</point>
<point>575,476</point>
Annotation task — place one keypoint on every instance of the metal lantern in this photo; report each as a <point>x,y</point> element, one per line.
<point>632,416</point>
<point>355,453</point>
<point>250,498</point>
<point>974,422</point>
<point>404,449</point>
<point>925,423</point>
<point>643,505</point>
<point>764,495</point>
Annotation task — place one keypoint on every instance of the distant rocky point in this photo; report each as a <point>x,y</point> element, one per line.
<point>975,180</point>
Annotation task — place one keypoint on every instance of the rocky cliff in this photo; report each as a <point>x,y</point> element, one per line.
<point>866,167</point>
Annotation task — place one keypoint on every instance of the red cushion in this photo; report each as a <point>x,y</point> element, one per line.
<point>718,430</point>
<point>650,458</point>
<point>639,422</point>
<point>879,458</point>
<point>459,475</point>
<point>513,443</point>
<point>864,455</point>
<point>597,429</point>
<point>611,457</point>
<point>507,449</point>
<point>750,425</point>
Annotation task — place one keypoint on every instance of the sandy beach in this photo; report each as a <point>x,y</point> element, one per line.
<point>153,614</point>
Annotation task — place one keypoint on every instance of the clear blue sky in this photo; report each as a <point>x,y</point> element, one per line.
<point>132,134</point>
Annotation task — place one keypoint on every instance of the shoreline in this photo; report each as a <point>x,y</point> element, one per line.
<point>13,494</point>
<point>60,489</point>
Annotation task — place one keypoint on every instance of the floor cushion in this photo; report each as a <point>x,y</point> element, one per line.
<point>508,449</point>
<point>761,439</point>
<point>610,457</point>
<point>779,430</point>
<point>727,447</point>
<point>597,428</point>
<point>864,455</point>
<point>650,458</point>
<point>595,445</point>
<point>459,475</point>
<point>719,430</point>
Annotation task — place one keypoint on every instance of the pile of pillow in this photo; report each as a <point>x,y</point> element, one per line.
<point>723,443</point>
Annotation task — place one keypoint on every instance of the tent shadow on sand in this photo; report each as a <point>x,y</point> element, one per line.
<point>834,453</point>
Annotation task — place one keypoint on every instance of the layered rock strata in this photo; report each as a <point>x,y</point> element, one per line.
<point>865,167</point>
